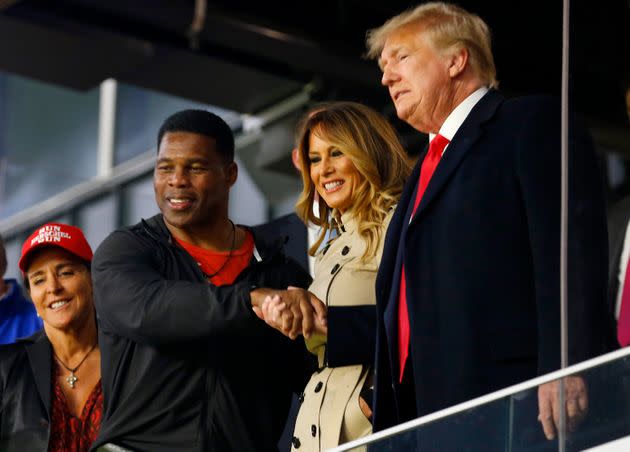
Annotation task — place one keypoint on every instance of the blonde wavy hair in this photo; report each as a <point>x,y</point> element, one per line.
<point>372,145</point>
<point>448,27</point>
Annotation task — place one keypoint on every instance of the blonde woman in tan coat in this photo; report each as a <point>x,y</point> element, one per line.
<point>352,161</point>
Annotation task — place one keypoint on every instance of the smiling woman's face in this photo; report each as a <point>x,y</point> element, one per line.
<point>334,175</point>
<point>60,286</point>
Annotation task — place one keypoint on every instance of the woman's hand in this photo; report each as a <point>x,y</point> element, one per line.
<point>365,408</point>
<point>272,309</point>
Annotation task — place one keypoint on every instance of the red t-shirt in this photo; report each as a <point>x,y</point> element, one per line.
<point>228,266</point>
<point>67,432</point>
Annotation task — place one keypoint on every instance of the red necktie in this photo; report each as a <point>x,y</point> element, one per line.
<point>430,162</point>
<point>623,324</point>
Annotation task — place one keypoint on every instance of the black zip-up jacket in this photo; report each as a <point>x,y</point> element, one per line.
<point>187,366</point>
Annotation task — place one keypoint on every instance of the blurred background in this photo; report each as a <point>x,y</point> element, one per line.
<point>85,85</point>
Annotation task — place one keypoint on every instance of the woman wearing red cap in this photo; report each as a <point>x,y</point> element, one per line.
<point>50,383</point>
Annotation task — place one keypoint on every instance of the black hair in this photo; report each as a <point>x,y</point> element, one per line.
<point>201,122</point>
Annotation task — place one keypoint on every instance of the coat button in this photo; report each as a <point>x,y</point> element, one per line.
<point>318,387</point>
<point>334,269</point>
<point>345,250</point>
<point>313,430</point>
<point>296,442</point>
<point>301,397</point>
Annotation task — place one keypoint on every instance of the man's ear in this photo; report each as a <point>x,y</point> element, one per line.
<point>457,61</point>
<point>231,172</point>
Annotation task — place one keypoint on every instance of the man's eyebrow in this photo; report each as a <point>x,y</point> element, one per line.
<point>392,54</point>
<point>191,161</point>
<point>201,160</point>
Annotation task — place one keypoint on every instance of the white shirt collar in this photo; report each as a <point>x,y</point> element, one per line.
<point>457,117</point>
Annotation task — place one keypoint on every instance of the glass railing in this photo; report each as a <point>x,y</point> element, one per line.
<point>507,420</point>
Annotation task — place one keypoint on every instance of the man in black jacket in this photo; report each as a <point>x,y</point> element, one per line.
<point>187,365</point>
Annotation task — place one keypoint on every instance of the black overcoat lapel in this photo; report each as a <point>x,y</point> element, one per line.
<point>463,141</point>
<point>395,231</point>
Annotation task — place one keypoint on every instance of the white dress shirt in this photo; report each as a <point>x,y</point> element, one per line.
<point>457,117</point>
<point>621,270</point>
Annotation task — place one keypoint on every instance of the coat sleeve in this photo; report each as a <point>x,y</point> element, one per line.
<point>352,329</point>
<point>351,335</point>
<point>134,300</point>
<point>538,172</point>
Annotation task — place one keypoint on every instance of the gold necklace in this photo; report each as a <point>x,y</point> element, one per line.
<point>72,378</point>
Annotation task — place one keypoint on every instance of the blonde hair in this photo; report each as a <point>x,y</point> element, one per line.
<point>447,27</point>
<point>372,145</point>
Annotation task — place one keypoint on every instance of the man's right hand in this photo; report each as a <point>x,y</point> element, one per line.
<point>576,404</point>
<point>292,312</point>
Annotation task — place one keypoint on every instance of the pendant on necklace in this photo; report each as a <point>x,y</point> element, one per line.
<point>71,379</point>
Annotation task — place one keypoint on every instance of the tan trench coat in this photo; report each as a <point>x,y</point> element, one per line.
<point>330,412</point>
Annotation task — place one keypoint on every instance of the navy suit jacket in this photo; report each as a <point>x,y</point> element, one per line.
<point>482,260</point>
<point>618,218</point>
<point>295,236</point>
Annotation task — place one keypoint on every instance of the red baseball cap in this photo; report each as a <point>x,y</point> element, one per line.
<point>70,238</point>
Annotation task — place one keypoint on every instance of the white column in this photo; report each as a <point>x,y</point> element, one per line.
<point>106,128</point>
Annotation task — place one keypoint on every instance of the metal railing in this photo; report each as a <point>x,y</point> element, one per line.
<point>486,399</point>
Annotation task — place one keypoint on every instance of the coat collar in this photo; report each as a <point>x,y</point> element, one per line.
<point>347,222</point>
<point>469,132</point>
<point>39,352</point>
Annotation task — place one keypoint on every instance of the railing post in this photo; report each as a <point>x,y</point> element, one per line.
<point>564,226</point>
